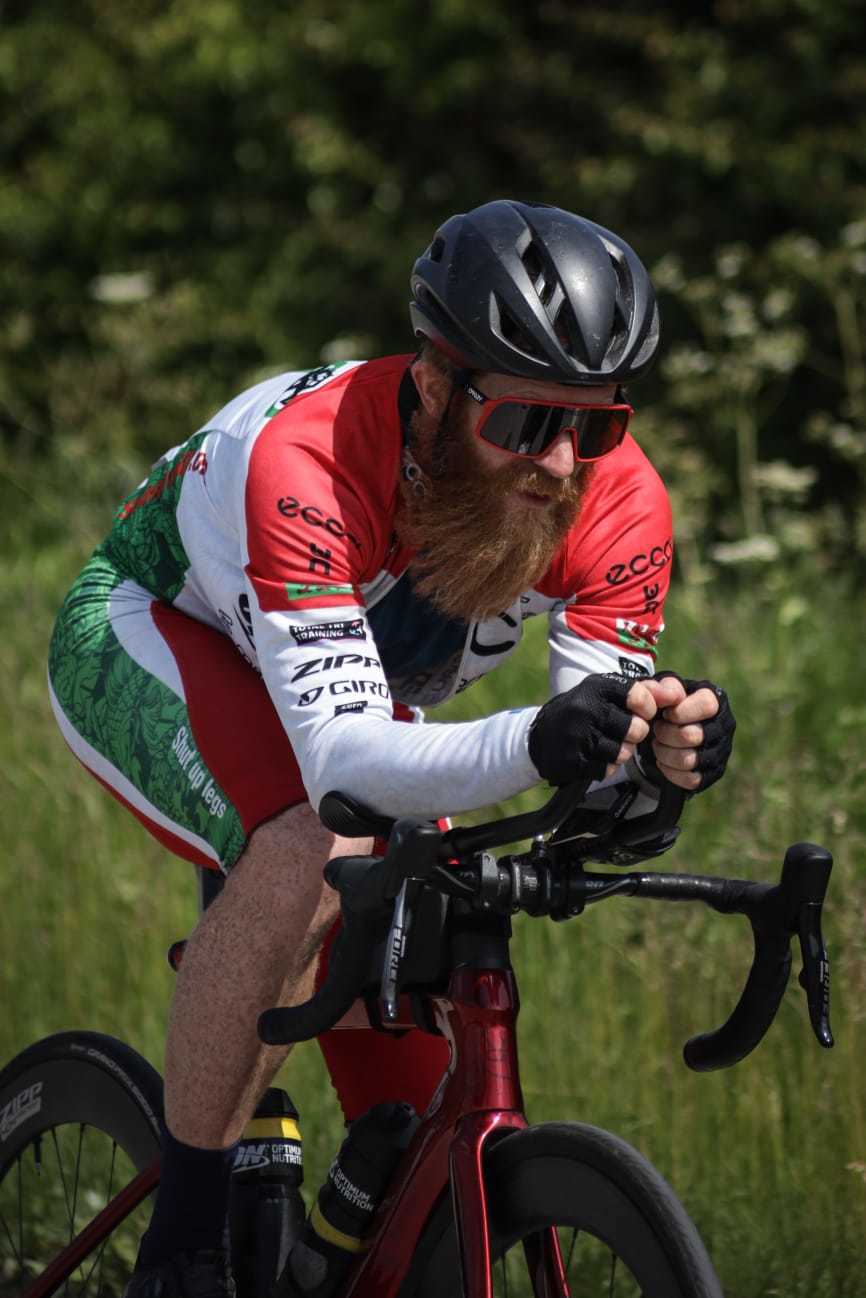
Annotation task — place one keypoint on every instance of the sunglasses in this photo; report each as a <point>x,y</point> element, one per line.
<point>529,428</point>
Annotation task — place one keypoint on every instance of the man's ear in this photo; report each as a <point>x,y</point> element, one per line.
<point>433,387</point>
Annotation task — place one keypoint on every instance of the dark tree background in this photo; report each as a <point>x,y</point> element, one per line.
<point>194,195</point>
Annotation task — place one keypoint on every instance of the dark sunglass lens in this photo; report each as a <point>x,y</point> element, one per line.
<point>541,425</point>
<point>599,432</point>
<point>527,429</point>
<point>524,429</point>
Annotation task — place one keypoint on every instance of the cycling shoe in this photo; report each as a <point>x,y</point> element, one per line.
<point>200,1273</point>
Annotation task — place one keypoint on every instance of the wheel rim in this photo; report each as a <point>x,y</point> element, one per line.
<point>49,1192</point>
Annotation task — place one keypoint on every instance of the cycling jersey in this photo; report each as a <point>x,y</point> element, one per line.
<point>274,524</point>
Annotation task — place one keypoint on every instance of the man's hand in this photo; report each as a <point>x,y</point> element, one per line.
<point>693,734</point>
<point>596,726</point>
<point>645,701</point>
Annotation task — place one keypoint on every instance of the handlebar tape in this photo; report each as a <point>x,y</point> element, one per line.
<point>753,1014</point>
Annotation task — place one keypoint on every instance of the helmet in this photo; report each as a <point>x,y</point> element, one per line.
<point>533,291</point>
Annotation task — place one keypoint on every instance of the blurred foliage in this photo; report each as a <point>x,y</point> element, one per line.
<point>194,195</point>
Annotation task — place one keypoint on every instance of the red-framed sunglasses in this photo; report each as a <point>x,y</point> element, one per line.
<point>528,428</point>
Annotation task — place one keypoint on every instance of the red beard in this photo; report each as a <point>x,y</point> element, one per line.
<point>476,551</point>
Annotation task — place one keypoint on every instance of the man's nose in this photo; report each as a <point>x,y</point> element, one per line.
<point>558,460</point>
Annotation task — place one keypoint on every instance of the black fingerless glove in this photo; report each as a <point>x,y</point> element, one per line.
<point>579,733</point>
<point>718,739</point>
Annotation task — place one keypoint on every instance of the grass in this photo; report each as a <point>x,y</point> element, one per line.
<point>770,1157</point>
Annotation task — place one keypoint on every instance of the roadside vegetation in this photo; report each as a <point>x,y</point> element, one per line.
<point>766,1155</point>
<point>196,197</point>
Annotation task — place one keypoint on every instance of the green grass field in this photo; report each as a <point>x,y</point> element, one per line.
<point>770,1157</point>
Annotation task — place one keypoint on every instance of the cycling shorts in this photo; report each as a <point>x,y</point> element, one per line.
<point>164,711</point>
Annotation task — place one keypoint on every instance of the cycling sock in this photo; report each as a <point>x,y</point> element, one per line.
<point>191,1202</point>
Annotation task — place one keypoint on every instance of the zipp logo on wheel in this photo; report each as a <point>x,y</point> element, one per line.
<point>21,1107</point>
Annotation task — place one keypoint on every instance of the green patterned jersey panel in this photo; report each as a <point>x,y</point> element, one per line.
<point>132,718</point>
<point>145,542</point>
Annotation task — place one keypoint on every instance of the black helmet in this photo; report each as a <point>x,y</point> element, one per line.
<point>536,292</point>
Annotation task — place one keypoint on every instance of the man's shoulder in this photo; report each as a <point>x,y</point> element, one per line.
<point>357,399</point>
<point>625,489</point>
<point>329,458</point>
<point>311,393</point>
<point>626,503</point>
<point>628,471</point>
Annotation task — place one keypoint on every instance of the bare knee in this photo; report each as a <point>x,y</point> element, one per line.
<point>281,872</point>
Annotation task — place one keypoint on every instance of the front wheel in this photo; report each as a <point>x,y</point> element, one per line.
<point>622,1232</point>
<point>79,1117</point>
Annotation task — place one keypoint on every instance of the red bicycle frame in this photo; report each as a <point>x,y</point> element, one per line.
<point>479,1095</point>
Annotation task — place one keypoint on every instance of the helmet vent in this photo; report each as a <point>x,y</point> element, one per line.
<point>564,328</point>
<point>437,247</point>
<point>622,311</point>
<point>514,333</point>
<point>618,333</point>
<point>534,267</point>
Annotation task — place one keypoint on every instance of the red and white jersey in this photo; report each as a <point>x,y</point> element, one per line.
<point>274,523</point>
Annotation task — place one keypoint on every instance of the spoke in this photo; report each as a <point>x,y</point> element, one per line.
<point>570,1252</point>
<point>75,1186</point>
<point>612,1274</point>
<point>18,1253</point>
<point>69,1213</point>
<point>81,1131</point>
<point>99,1260</point>
<point>62,1176</point>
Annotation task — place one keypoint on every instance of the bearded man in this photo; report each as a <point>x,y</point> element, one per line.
<point>329,553</point>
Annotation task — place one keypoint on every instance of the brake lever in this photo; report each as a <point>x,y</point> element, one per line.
<point>395,949</point>
<point>815,975</point>
<point>810,866</point>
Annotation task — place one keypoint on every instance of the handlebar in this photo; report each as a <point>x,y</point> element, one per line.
<point>776,913</point>
<point>550,880</point>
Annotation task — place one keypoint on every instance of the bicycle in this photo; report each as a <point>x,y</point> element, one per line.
<point>424,943</point>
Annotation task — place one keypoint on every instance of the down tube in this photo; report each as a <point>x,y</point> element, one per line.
<point>94,1234</point>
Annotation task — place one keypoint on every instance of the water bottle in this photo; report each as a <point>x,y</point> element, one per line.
<point>359,1175</point>
<point>266,1210</point>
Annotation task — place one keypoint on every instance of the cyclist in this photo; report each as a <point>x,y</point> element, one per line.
<point>331,552</point>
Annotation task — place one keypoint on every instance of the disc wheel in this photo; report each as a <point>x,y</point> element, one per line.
<point>79,1118</point>
<point>621,1231</point>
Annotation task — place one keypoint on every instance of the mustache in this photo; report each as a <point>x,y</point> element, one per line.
<point>529,478</point>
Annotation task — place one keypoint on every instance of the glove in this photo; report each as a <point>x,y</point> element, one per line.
<point>718,739</point>
<point>579,733</point>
